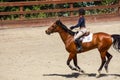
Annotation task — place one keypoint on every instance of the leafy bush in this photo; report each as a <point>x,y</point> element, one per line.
<point>56,6</point>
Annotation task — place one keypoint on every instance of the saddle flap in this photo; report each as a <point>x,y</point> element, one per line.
<point>87,38</point>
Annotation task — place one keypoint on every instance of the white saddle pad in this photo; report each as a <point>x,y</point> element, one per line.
<point>87,38</point>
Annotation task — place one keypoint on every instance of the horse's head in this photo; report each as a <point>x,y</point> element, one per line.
<point>53,28</point>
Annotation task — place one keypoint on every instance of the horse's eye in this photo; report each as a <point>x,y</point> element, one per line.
<point>54,26</point>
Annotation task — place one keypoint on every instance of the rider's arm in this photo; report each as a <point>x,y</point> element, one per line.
<point>79,23</point>
<point>81,20</point>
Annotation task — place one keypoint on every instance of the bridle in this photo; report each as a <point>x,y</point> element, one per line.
<point>53,28</point>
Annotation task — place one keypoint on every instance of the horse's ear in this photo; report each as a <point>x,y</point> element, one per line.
<point>58,22</point>
<point>59,19</point>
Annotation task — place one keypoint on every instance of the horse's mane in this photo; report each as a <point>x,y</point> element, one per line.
<point>59,23</point>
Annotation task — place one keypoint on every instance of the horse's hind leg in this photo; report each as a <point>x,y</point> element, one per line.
<point>103,58</point>
<point>109,57</point>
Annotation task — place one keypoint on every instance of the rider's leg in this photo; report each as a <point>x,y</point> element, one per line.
<point>77,37</point>
<point>78,44</point>
<point>77,41</point>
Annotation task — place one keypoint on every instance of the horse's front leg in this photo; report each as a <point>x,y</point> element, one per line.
<point>71,56</point>
<point>74,57</point>
<point>76,65</point>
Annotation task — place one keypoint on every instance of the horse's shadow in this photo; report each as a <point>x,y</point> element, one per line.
<point>76,75</point>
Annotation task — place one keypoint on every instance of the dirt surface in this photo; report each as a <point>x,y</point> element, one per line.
<point>30,54</point>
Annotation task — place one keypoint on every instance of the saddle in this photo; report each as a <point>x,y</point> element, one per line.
<point>84,35</point>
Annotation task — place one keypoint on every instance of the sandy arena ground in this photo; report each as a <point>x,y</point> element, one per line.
<point>30,54</point>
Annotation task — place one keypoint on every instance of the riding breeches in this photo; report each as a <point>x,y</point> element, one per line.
<point>80,33</point>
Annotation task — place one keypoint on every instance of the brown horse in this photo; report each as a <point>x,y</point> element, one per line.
<point>101,41</point>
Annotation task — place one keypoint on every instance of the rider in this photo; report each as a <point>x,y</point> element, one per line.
<point>81,25</point>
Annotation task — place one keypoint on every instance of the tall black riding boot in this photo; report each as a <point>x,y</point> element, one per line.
<point>78,44</point>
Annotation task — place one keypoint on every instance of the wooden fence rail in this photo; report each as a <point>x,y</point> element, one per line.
<point>71,9</point>
<point>29,3</point>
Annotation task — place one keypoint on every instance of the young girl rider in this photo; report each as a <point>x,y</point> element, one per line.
<point>82,27</point>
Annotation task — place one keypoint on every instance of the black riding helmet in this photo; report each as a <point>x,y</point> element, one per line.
<point>81,11</point>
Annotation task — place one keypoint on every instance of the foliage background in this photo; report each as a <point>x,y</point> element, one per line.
<point>52,6</point>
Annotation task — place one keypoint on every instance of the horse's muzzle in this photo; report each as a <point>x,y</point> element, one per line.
<point>47,32</point>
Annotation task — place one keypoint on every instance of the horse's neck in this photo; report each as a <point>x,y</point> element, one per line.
<point>64,35</point>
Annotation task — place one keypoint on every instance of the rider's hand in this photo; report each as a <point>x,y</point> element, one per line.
<point>72,27</point>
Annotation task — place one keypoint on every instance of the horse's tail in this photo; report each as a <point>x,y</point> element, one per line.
<point>116,41</point>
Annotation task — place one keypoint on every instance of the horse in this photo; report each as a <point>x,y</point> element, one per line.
<point>102,41</point>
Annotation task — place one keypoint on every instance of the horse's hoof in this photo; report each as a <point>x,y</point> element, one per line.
<point>98,75</point>
<point>74,69</point>
<point>83,72</point>
<point>106,69</point>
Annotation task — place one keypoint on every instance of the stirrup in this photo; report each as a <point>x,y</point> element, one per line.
<point>79,48</point>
